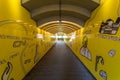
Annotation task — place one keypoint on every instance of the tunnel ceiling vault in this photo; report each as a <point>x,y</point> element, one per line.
<point>67,27</point>
<point>64,30</point>
<point>76,11</point>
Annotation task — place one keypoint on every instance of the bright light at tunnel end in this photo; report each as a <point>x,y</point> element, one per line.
<point>59,36</point>
<point>39,36</point>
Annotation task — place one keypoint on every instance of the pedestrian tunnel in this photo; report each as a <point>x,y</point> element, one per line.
<point>59,39</point>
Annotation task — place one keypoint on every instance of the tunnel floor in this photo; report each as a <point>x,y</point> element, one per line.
<point>59,64</point>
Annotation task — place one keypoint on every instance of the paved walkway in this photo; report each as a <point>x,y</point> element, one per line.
<point>59,64</point>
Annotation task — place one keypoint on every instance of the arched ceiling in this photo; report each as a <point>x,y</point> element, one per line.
<point>66,26</point>
<point>72,11</point>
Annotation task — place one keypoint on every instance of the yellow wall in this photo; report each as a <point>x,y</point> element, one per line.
<point>20,49</point>
<point>100,52</point>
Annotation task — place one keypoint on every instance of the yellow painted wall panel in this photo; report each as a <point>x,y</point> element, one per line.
<point>99,41</point>
<point>20,47</point>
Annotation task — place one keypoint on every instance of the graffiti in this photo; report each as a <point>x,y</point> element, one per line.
<point>2,61</point>
<point>111,52</point>
<point>21,58</point>
<point>109,27</point>
<point>98,59</point>
<point>19,43</point>
<point>84,51</point>
<point>9,35</point>
<point>13,56</point>
<point>3,36</point>
<point>7,72</point>
<point>26,38</point>
<point>10,57</point>
<point>87,32</point>
<point>4,22</point>
<point>27,61</point>
<point>103,74</point>
<point>36,58</point>
<point>114,38</point>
